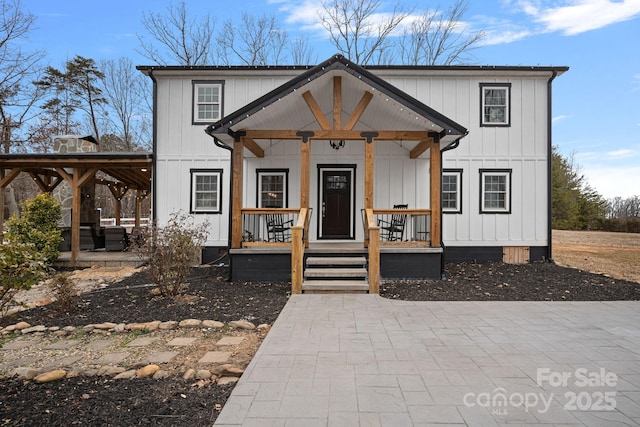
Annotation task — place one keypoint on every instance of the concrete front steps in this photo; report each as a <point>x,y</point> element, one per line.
<point>344,274</point>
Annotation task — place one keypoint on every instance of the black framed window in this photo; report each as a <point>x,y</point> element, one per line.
<point>207,101</point>
<point>452,190</point>
<point>206,191</point>
<point>495,190</point>
<point>495,100</point>
<point>273,186</point>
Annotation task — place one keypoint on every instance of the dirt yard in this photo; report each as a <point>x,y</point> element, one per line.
<point>614,254</point>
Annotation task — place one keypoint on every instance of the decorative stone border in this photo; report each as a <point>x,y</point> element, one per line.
<point>223,374</point>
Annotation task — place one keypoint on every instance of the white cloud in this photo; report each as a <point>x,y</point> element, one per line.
<point>614,181</point>
<point>559,118</point>
<point>582,15</point>
<point>622,153</point>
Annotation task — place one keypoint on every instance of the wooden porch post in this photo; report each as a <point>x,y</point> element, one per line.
<point>305,170</point>
<point>236,208</point>
<point>435,174</point>
<point>75,215</point>
<point>368,174</point>
<point>139,199</point>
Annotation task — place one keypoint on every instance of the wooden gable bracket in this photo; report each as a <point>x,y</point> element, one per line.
<point>420,148</point>
<point>358,111</point>
<point>6,180</point>
<point>337,102</point>
<point>253,146</point>
<point>45,182</point>
<point>316,111</point>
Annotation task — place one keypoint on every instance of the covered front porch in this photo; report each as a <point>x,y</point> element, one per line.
<point>341,133</point>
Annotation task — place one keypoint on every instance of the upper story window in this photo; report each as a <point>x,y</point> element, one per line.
<point>272,188</point>
<point>452,191</point>
<point>495,100</point>
<point>207,101</point>
<point>495,190</point>
<point>206,190</point>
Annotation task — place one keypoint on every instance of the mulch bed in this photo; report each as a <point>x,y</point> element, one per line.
<point>173,402</point>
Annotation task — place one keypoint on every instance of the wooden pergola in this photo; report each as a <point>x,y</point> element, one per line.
<point>124,172</point>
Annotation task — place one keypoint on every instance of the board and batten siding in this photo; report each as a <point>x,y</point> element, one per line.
<point>521,147</point>
<point>183,146</point>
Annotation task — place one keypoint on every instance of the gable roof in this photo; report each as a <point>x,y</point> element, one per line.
<point>278,110</point>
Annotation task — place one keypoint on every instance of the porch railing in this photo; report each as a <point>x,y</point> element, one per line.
<point>400,227</point>
<point>372,235</point>
<point>272,226</point>
<point>298,243</point>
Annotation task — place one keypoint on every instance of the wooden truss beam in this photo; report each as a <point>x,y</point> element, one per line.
<point>358,111</point>
<point>388,135</point>
<point>253,146</point>
<point>420,148</point>
<point>337,102</point>
<point>316,111</point>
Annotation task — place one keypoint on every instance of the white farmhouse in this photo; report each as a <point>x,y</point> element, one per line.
<point>345,174</point>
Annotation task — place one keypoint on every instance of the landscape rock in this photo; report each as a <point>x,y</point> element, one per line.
<point>33,329</point>
<point>203,374</point>
<point>189,374</point>
<point>147,370</point>
<point>20,326</point>
<point>60,333</point>
<point>190,323</point>
<point>228,370</point>
<point>69,328</point>
<point>161,374</point>
<point>42,301</point>
<point>25,373</point>
<point>263,326</point>
<point>135,326</point>
<point>153,326</point>
<point>50,376</point>
<point>242,324</point>
<point>213,324</point>
<point>227,380</point>
<point>166,326</point>
<point>105,325</point>
<point>125,375</point>
<point>119,327</point>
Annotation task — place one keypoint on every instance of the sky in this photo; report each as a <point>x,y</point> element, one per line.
<point>596,104</point>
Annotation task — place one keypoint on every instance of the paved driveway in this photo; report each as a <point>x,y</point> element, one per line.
<point>362,360</point>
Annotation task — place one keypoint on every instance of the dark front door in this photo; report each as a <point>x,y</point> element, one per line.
<point>336,204</point>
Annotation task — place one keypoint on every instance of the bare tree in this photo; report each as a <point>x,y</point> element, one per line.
<point>437,38</point>
<point>17,69</point>
<point>358,29</point>
<point>125,91</point>
<point>254,41</point>
<point>178,38</point>
<point>301,52</point>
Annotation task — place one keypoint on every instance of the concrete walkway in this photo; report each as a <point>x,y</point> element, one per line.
<point>362,360</point>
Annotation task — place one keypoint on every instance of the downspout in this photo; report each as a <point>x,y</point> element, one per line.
<point>549,166</point>
<point>451,146</point>
<point>154,144</point>
<point>224,146</point>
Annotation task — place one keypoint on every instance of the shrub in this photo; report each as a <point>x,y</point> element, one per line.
<point>21,267</point>
<point>171,251</point>
<point>64,290</point>
<point>38,225</point>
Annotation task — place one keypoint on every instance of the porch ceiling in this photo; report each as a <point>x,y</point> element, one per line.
<point>389,109</point>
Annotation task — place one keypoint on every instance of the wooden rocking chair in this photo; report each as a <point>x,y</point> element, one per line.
<point>393,230</point>
<point>278,230</point>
